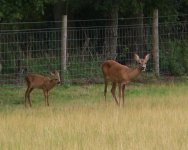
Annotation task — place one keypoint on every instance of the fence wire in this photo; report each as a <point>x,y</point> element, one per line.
<point>36,46</point>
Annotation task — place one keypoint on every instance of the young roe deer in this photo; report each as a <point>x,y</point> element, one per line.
<point>36,81</point>
<point>121,75</point>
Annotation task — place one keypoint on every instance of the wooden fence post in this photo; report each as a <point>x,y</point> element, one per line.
<point>64,46</point>
<point>155,41</point>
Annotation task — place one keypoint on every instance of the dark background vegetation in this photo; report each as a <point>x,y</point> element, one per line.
<point>173,54</point>
<point>38,10</point>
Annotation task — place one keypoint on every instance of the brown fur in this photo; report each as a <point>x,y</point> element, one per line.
<point>36,81</point>
<point>121,75</point>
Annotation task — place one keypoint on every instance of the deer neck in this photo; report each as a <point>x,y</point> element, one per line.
<point>135,72</point>
<point>51,84</point>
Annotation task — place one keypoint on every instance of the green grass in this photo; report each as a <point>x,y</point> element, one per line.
<point>14,96</point>
<point>155,116</point>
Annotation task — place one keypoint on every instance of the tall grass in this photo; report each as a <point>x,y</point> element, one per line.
<point>154,117</point>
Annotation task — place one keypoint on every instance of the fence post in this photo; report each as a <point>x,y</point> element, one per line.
<point>64,46</point>
<point>155,41</point>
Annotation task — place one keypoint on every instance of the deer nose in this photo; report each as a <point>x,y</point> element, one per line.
<point>143,67</point>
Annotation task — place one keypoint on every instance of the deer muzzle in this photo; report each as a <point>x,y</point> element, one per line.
<point>143,67</point>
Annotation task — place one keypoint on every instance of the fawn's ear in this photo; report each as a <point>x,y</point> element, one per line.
<point>137,58</point>
<point>52,73</point>
<point>56,72</point>
<point>146,58</point>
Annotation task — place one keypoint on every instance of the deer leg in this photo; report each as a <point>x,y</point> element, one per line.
<point>29,91</point>
<point>105,88</point>
<point>45,97</point>
<point>113,91</point>
<point>119,86</point>
<point>123,94</point>
<point>26,96</point>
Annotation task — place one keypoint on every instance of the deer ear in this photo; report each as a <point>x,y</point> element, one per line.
<point>52,73</point>
<point>137,58</point>
<point>147,58</point>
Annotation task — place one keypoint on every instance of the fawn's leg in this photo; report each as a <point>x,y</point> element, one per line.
<point>45,96</point>
<point>26,96</point>
<point>47,99</point>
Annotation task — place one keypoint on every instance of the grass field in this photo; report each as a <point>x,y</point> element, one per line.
<point>155,117</point>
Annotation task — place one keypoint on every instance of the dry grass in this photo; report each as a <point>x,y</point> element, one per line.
<point>145,123</point>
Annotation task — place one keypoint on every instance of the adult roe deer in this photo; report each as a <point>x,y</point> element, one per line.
<point>36,81</point>
<point>121,75</point>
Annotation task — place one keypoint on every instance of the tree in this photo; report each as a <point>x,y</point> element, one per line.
<point>23,10</point>
<point>106,9</point>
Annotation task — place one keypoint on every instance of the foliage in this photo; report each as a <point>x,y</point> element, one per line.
<point>37,10</point>
<point>174,56</point>
<point>22,10</point>
<point>83,69</point>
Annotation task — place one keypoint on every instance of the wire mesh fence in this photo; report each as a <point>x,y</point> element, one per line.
<point>36,46</point>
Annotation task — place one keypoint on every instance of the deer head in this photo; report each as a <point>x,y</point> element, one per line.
<point>55,76</point>
<point>142,62</point>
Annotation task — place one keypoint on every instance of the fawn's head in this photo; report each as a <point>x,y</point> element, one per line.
<point>55,76</point>
<point>142,62</point>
